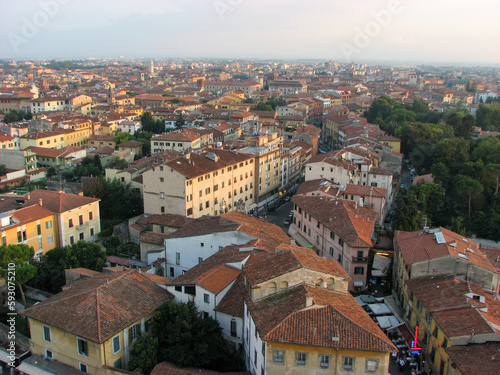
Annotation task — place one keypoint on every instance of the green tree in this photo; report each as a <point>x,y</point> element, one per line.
<point>123,137</point>
<point>468,187</point>
<point>147,122</point>
<point>54,87</point>
<point>458,225</point>
<point>407,216</point>
<point>18,256</point>
<point>3,170</point>
<point>186,339</point>
<point>146,351</point>
<point>85,254</point>
<point>494,171</point>
<point>440,172</point>
<point>117,163</point>
<point>11,117</point>
<point>180,122</point>
<point>483,116</point>
<point>488,150</point>
<point>466,127</point>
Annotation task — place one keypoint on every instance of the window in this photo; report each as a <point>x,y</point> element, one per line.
<point>278,356</point>
<point>233,328</point>
<point>189,211</point>
<point>50,239</point>
<point>48,224</point>
<point>324,361</point>
<point>435,332</point>
<point>207,191</point>
<point>38,229</point>
<point>49,354</point>
<point>134,332</point>
<point>82,236</point>
<point>445,342</point>
<point>46,334</point>
<point>162,195</point>
<point>71,240</point>
<point>206,298</point>
<point>331,251</point>
<point>118,363</point>
<point>91,215</point>
<point>359,270</point>
<point>83,367</point>
<point>300,358</point>
<point>70,223</point>
<point>162,209</point>
<point>162,179</point>
<point>80,219</point>
<point>82,347</point>
<point>348,363</point>
<point>4,240</point>
<point>207,204</point>
<point>177,258</point>
<point>171,271</point>
<point>200,259</point>
<point>371,365</point>
<point>116,344</point>
<point>19,237</point>
<point>24,235</point>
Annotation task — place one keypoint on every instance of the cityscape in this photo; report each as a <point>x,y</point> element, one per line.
<point>184,190</point>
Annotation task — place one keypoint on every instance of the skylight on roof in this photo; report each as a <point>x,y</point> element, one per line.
<point>439,237</point>
<point>463,256</point>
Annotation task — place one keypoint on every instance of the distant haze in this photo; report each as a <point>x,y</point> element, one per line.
<point>439,30</point>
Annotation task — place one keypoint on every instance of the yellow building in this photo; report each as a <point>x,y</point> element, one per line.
<point>92,325</point>
<point>35,226</point>
<point>209,183</point>
<point>78,217</point>
<point>391,141</point>
<point>58,138</point>
<point>437,313</point>
<point>300,318</point>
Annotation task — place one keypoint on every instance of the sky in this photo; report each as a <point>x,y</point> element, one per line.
<point>339,30</point>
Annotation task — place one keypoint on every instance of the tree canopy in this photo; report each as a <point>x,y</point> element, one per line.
<point>180,334</point>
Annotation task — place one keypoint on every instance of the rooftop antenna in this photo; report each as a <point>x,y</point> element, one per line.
<point>424,219</point>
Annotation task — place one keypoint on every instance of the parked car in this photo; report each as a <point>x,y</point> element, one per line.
<point>287,221</point>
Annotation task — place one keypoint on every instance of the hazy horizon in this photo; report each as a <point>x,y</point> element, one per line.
<point>426,32</point>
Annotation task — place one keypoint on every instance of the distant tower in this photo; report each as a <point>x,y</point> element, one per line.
<point>151,68</point>
<point>111,96</point>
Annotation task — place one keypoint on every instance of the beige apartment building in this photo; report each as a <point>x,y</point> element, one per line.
<point>269,168</point>
<point>207,183</point>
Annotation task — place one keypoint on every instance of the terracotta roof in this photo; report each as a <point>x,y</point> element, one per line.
<point>154,238</point>
<point>100,307</point>
<point>289,258</point>
<point>233,302</point>
<point>420,246</point>
<point>329,188</point>
<point>169,220</point>
<point>423,178</point>
<point>165,368</point>
<point>466,359</point>
<point>29,214</point>
<point>269,235</point>
<point>352,223</point>
<point>199,164</point>
<point>58,202</point>
<point>285,317</point>
<point>131,143</point>
<point>54,152</point>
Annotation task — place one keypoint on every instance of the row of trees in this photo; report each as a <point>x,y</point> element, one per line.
<point>465,195</point>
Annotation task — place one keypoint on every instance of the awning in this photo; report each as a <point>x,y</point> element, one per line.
<point>380,265</point>
<point>405,333</point>
<point>358,283</point>
<point>387,321</point>
<point>360,301</point>
<point>251,206</point>
<point>379,308</point>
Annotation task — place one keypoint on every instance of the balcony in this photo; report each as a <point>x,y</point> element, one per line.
<point>81,226</point>
<point>359,259</point>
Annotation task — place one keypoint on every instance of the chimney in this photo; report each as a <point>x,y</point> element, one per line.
<point>40,202</point>
<point>309,300</point>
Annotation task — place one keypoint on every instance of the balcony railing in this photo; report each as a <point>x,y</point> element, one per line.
<point>359,259</point>
<point>81,226</point>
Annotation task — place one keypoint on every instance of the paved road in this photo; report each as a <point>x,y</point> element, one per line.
<point>278,217</point>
